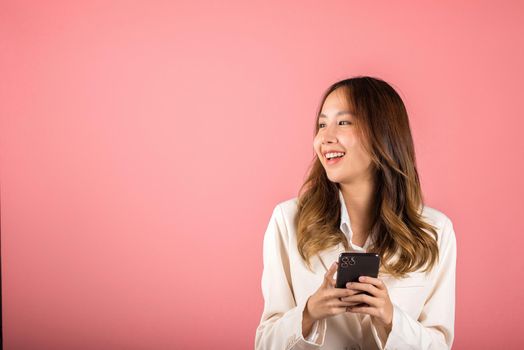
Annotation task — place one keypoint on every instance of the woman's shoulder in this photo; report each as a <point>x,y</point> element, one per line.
<point>434,216</point>
<point>284,212</point>
<point>441,222</point>
<point>281,223</point>
<point>288,206</point>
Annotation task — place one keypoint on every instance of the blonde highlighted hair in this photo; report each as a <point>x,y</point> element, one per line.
<point>403,240</point>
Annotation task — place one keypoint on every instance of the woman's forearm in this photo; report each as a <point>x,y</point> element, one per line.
<point>307,322</point>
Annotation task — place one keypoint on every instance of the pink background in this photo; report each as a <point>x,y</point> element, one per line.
<point>144,145</point>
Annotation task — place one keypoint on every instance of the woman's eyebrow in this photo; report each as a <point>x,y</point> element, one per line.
<point>336,115</point>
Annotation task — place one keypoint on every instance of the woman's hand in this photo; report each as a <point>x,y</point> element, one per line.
<point>379,305</point>
<point>326,301</point>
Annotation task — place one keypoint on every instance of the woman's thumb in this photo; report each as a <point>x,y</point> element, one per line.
<point>328,276</point>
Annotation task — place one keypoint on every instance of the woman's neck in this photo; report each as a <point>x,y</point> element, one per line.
<point>359,198</point>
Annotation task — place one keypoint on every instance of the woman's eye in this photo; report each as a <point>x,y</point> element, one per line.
<point>342,121</point>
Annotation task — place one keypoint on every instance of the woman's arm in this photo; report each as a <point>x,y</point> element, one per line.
<point>434,329</point>
<point>282,318</point>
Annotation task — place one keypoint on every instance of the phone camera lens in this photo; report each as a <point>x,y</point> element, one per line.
<point>352,261</point>
<point>345,259</point>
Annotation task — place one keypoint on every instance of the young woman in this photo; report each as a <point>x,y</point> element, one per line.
<point>362,195</point>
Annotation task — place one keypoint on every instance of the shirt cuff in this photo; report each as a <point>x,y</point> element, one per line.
<point>314,333</point>
<point>379,332</point>
<point>314,340</point>
<point>395,340</point>
<point>406,333</point>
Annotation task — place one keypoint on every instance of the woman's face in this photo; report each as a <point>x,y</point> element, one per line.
<point>337,133</point>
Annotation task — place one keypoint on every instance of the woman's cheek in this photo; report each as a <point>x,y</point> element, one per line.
<point>316,147</point>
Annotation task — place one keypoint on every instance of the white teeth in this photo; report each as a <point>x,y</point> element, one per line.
<point>332,155</point>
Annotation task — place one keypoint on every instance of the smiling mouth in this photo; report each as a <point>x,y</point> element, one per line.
<point>334,160</point>
<point>343,154</point>
<point>335,157</point>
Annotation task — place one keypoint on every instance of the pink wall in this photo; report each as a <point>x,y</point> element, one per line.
<point>143,146</point>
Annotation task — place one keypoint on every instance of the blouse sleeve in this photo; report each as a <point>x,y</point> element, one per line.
<point>434,328</point>
<point>281,322</point>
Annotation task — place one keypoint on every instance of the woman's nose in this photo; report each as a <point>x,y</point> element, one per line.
<point>328,135</point>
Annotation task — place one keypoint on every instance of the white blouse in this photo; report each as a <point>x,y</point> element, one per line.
<point>423,304</point>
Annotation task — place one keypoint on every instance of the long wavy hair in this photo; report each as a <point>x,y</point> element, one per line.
<point>403,240</point>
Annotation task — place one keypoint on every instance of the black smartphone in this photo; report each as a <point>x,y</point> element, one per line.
<point>353,265</point>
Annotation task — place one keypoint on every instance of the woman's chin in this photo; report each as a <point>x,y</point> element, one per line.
<point>335,178</point>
